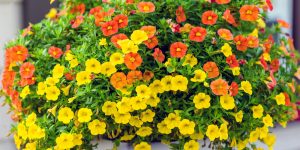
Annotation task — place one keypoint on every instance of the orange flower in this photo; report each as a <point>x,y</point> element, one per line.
<point>283,23</point>
<point>78,9</point>
<point>253,42</point>
<point>115,38</point>
<point>76,23</point>
<point>158,55</point>
<point>148,75</point>
<point>129,1</point>
<point>211,69</point>
<point>233,89</point>
<point>232,61</point>
<point>180,15</point>
<point>99,18</point>
<point>219,87</point>
<point>225,34</point>
<point>118,80</point>
<point>109,28</point>
<point>27,81</point>
<point>122,20</point>
<point>249,13</point>
<point>146,7</point>
<point>134,76</point>
<point>222,1</point>
<point>150,30</point>
<point>133,60</point>
<point>26,70</point>
<point>8,78</point>
<point>229,18</point>
<point>18,53</point>
<point>197,34</point>
<point>241,43</point>
<point>151,42</point>
<point>55,52</point>
<point>96,10</point>
<point>209,18</point>
<point>178,50</point>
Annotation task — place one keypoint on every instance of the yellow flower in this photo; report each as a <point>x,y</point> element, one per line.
<point>58,71</point>
<point>50,81</point>
<point>143,91</point>
<point>30,146</point>
<point>266,57</point>
<point>172,121</point>
<point>142,146</point>
<point>71,99</point>
<point>52,93</point>
<point>52,110</point>
<point>156,87</point>
<point>179,82</point>
<point>263,132</point>
<point>25,91</point>
<point>122,118</point>
<point>41,89</point>
<point>135,121</point>
<point>127,137</point>
<point>69,56</point>
<point>167,82</point>
<point>261,23</point>
<point>66,90</point>
<point>153,100</point>
<point>212,132</point>
<point>254,33</point>
<point>65,115</point>
<point>139,36</point>
<point>223,132</point>
<point>97,127</point>
<point>52,13</point>
<point>73,63</point>
<point>83,77</point>
<point>84,115</point>
<point>35,132</point>
<point>147,116</point>
<point>257,111</point>
<point>108,69</point>
<point>109,108</point>
<point>163,128</point>
<point>93,65</point>
<point>128,46</point>
<point>283,124</point>
<point>200,76</point>
<point>270,140</point>
<point>144,131</point>
<point>190,60</point>
<point>197,136</point>
<point>268,121</point>
<point>236,71</point>
<point>186,127</point>
<point>227,102</point>
<point>65,141</point>
<point>18,141</point>
<point>116,58</point>
<point>226,50</point>
<point>201,100</point>
<point>31,119</point>
<point>242,144</point>
<point>254,135</point>
<point>246,87</point>
<point>77,139</point>
<point>191,145</point>
<point>103,42</point>
<point>280,99</point>
<point>22,132</point>
<point>124,106</point>
<point>239,116</point>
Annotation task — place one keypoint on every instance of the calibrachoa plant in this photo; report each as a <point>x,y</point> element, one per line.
<point>151,71</point>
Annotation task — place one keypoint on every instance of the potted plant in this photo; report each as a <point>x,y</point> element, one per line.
<point>141,72</point>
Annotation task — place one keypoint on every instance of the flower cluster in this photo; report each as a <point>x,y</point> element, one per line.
<point>144,71</point>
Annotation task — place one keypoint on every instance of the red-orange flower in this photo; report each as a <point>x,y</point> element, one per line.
<point>209,18</point>
<point>151,42</point>
<point>158,55</point>
<point>219,87</point>
<point>134,76</point>
<point>115,38</point>
<point>287,99</point>
<point>77,22</point>
<point>78,9</point>
<point>148,75</point>
<point>253,42</point>
<point>129,1</point>
<point>109,28</point>
<point>233,89</point>
<point>96,10</point>
<point>122,20</point>
<point>55,52</point>
<point>222,1</point>
<point>197,34</point>
<point>118,80</point>
<point>283,23</point>
<point>229,18</point>
<point>178,50</point>
<point>270,5</point>
<point>232,61</point>
<point>180,15</point>
<point>150,30</point>
<point>69,76</point>
<point>8,78</point>
<point>274,66</point>
<point>241,43</point>
<point>26,70</point>
<point>18,53</point>
<point>27,81</point>
<point>146,7</point>
<point>225,34</point>
<point>249,13</point>
<point>133,60</point>
<point>99,18</point>
<point>211,69</point>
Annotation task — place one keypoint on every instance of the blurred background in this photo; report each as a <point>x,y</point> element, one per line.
<point>17,14</point>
